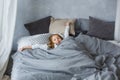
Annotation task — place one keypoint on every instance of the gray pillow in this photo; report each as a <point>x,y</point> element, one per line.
<point>84,24</point>
<point>81,26</point>
<point>39,27</point>
<point>101,29</point>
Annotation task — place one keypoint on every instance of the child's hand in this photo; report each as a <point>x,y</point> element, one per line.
<point>21,49</point>
<point>67,23</point>
<point>25,47</point>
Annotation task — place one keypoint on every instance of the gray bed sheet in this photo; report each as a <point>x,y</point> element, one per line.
<point>80,58</point>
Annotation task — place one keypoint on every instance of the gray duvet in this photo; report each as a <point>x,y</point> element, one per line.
<point>80,58</point>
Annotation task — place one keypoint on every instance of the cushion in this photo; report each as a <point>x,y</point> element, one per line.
<point>58,26</point>
<point>34,39</point>
<point>101,29</point>
<point>81,26</point>
<point>39,26</point>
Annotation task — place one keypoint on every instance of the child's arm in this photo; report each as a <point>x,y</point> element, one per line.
<point>25,47</point>
<point>41,46</point>
<point>66,33</point>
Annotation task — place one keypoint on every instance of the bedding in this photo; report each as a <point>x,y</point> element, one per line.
<point>115,42</point>
<point>32,40</point>
<point>73,59</point>
<point>81,26</point>
<point>95,45</point>
<point>101,29</point>
<point>58,26</point>
<point>39,26</point>
<point>95,27</point>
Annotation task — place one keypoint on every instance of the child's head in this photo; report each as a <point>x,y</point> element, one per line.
<point>54,39</point>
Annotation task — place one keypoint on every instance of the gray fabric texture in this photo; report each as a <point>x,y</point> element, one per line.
<point>70,59</point>
<point>38,27</point>
<point>81,26</point>
<point>101,29</point>
<point>84,24</point>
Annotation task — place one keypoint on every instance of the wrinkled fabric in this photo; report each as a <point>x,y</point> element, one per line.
<point>71,60</point>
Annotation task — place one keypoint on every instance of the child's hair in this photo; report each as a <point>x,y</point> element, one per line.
<point>50,43</point>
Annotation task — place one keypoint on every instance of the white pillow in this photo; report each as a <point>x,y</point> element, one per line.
<point>34,39</point>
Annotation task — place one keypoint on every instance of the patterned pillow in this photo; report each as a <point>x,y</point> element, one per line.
<point>35,39</point>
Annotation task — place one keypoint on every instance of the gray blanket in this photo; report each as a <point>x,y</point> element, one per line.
<point>80,58</point>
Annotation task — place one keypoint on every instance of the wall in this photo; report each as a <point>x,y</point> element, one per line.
<point>31,10</point>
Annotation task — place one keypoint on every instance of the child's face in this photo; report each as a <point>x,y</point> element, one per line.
<point>56,39</point>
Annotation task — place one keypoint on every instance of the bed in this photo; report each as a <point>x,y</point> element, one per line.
<point>85,57</point>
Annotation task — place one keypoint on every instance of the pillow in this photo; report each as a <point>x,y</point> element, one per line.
<point>34,39</point>
<point>81,26</point>
<point>39,26</point>
<point>101,29</point>
<point>58,26</point>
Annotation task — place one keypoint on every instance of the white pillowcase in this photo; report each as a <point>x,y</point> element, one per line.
<point>34,39</point>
